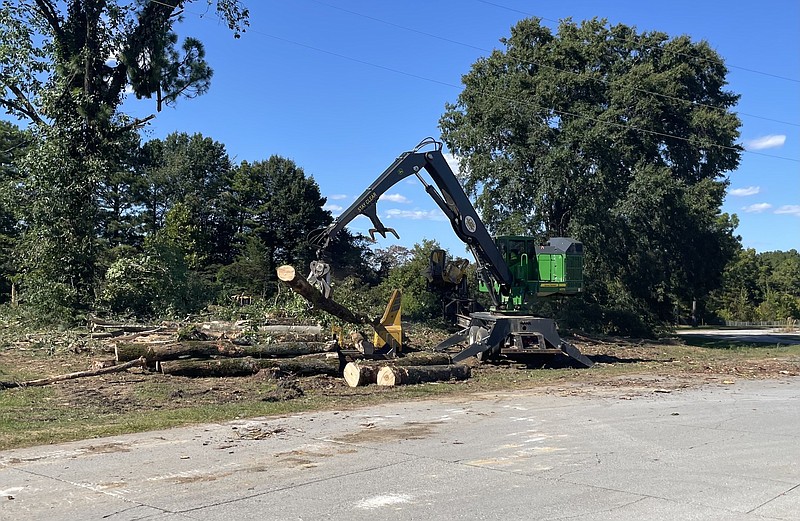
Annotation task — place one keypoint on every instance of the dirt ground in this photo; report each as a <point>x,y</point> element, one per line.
<point>623,367</point>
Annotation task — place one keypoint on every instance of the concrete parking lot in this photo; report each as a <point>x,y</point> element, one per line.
<point>722,451</point>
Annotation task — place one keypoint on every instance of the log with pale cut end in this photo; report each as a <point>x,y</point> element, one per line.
<point>207,349</point>
<point>365,372</point>
<point>289,275</point>
<point>394,375</point>
<point>356,374</point>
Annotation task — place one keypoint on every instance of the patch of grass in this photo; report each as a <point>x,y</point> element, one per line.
<point>137,401</point>
<point>709,342</point>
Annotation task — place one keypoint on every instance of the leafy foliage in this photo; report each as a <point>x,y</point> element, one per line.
<point>419,302</point>
<point>759,287</point>
<point>64,67</point>
<point>614,137</point>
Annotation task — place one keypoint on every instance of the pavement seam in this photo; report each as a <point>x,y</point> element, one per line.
<point>774,498</point>
<point>291,487</point>
<point>86,486</point>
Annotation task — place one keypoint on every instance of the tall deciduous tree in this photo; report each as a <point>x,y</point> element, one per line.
<point>616,137</point>
<point>64,67</point>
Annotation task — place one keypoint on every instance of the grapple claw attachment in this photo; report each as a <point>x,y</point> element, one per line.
<point>320,277</point>
<point>383,232</point>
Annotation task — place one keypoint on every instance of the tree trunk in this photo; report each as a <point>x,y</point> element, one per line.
<point>206,368</point>
<point>249,366</point>
<point>313,331</point>
<point>139,362</point>
<point>302,366</point>
<point>422,358</point>
<point>356,374</point>
<point>392,375</point>
<point>208,349</point>
<point>301,286</point>
<point>365,372</point>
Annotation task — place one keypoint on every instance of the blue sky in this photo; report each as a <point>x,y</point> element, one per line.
<point>343,87</point>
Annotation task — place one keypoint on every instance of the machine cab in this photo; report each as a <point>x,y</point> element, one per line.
<point>551,269</point>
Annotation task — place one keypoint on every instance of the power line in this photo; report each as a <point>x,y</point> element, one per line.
<point>551,67</point>
<point>754,71</point>
<point>738,148</point>
<point>503,98</point>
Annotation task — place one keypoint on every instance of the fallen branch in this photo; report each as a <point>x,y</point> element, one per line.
<point>139,362</point>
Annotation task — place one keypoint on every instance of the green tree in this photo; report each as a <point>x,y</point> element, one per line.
<point>13,145</point>
<point>64,68</point>
<point>275,201</point>
<point>617,138</point>
<point>408,275</point>
<point>759,286</point>
<point>195,173</point>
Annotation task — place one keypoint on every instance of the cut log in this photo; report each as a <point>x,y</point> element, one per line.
<point>291,330</point>
<point>139,362</point>
<point>422,358</point>
<point>210,368</point>
<point>127,328</point>
<point>414,358</point>
<point>357,375</point>
<point>393,375</point>
<point>248,366</point>
<point>302,366</point>
<point>288,349</point>
<point>365,372</point>
<point>207,349</point>
<point>302,287</point>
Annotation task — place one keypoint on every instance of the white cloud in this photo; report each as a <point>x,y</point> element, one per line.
<point>337,197</point>
<point>333,208</point>
<point>743,192</point>
<point>452,160</point>
<point>769,141</point>
<point>428,215</point>
<point>791,209</point>
<point>757,208</point>
<point>395,198</point>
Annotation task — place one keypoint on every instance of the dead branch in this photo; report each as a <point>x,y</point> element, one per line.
<point>139,362</point>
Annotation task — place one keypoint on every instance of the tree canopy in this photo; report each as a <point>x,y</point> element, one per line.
<point>618,138</point>
<point>64,69</point>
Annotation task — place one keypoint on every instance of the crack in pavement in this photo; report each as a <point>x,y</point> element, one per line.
<point>774,498</point>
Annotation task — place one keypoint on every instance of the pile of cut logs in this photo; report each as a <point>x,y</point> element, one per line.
<point>414,368</point>
<point>222,349</point>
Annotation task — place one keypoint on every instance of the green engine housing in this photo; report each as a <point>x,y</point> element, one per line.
<point>552,269</point>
